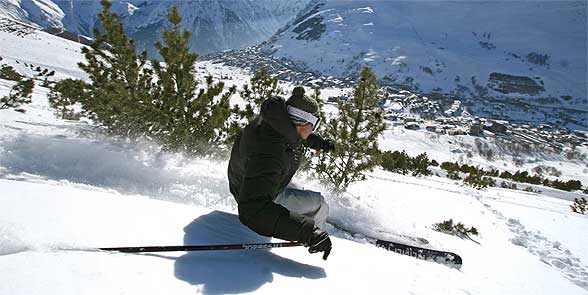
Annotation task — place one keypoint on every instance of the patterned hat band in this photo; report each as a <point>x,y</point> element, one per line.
<point>307,117</point>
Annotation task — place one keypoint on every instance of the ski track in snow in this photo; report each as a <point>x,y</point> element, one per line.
<point>549,252</point>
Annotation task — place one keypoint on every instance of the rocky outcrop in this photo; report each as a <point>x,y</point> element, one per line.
<point>507,84</point>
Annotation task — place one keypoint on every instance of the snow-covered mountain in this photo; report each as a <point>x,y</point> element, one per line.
<point>72,15</point>
<point>529,50</point>
<point>216,25</point>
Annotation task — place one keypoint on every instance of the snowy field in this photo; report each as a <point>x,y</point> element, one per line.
<point>65,189</point>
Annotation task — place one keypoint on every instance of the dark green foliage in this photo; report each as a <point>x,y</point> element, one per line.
<point>64,94</point>
<point>506,175</point>
<point>580,206</point>
<point>355,133</point>
<point>468,169</point>
<point>471,169</point>
<point>525,177</point>
<point>493,173</point>
<point>479,181</point>
<point>162,101</point>
<point>570,185</point>
<point>119,96</point>
<point>420,165</point>
<point>19,94</point>
<point>398,162</point>
<point>434,163</point>
<point>186,119</point>
<point>480,178</point>
<point>458,229</point>
<point>8,73</point>
<point>261,87</point>
<point>401,162</point>
<point>450,166</point>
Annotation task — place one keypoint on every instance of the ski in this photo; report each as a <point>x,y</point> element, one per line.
<point>406,245</point>
<point>443,257</point>
<point>385,235</point>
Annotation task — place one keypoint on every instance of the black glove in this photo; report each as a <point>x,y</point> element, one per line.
<point>328,145</point>
<point>318,241</point>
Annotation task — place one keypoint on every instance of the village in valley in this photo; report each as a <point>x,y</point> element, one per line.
<point>414,111</point>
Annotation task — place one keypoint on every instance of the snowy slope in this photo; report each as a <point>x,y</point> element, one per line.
<point>64,185</point>
<point>27,46</point>
<point>530,50</point>
<point>89,191</point>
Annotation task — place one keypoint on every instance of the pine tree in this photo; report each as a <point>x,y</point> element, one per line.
<point>398,162</point>
<point>420,165</point>
<point>186,121</point>
<point>262,86</point>
<point>355,132</point>
<point>64,94</point>
<point>8,73</point>
<point>19,94</point>
<point>119,93</point>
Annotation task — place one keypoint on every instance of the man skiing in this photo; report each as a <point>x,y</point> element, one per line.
<point>264,158</point>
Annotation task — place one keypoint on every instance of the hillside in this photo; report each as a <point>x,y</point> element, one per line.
<point>67,188</point>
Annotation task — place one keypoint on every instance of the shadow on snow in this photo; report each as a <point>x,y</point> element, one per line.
<point>224,272</point>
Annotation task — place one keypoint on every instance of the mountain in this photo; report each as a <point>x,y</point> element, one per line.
<point>532,52</point>
<point>216,25</point>
<point>72,15</point>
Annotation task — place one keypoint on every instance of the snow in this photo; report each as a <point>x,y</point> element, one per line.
<point>42,50</point>
<point>434,42</point>
<point>66,189</point>
<point>44,13</point>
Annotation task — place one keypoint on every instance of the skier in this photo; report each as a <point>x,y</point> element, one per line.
<point>265,157</point>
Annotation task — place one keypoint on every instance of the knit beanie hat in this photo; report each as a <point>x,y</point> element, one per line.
<point>302,109</point>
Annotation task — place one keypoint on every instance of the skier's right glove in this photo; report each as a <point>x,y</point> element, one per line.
<point>318,241</point>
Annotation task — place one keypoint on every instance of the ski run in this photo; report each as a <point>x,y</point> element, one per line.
<point>66,189</point>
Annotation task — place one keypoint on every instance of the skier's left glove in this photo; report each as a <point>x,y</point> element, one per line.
<point>328,145</point>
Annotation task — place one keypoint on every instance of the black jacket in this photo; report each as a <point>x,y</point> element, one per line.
<point>264,158</point>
